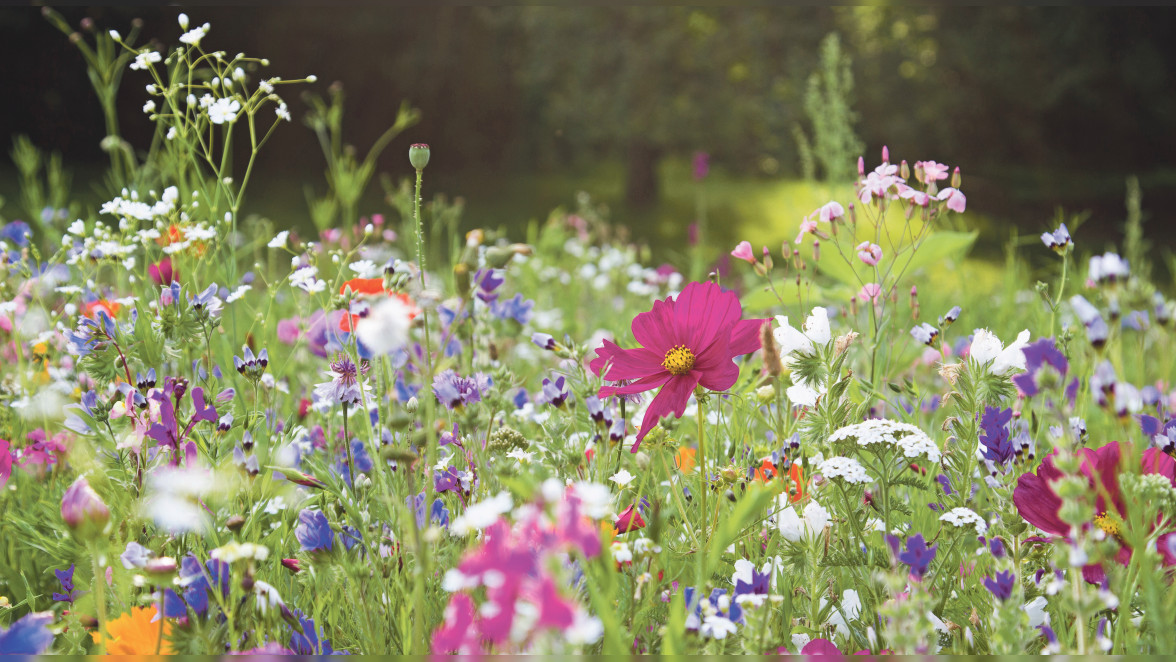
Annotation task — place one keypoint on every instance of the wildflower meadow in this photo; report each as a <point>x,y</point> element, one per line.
<point>388,435</point>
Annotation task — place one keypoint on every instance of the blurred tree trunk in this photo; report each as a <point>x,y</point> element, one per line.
<point>641,185</point>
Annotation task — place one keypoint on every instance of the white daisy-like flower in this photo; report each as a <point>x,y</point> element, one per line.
<point>845,468</point>
<point>816,332</point>
<point>963,517</point>
<point>621,552</point>
<point>717,627</point>
<point>910,439</point>
<point>366,269</point>
<point>987,349</point>
<point>622,478</point>
<point>237,294</point>
<point>145,59</point>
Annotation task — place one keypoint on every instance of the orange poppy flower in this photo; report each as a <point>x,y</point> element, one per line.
<point>767,472</point>
<point>684,460</point>
<point>133,633</point>
<point>111,308</point>
<point>370,287</point>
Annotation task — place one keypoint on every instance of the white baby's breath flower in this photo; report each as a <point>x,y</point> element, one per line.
<point>149,107</point>
<point>963,517</point>
<point>145,59</point>
<point>845,468</point>
<point>192,37</point>
<point>283,111</point>
<point>223,110</point>
<point>279,240</point>
<point>183,21</point>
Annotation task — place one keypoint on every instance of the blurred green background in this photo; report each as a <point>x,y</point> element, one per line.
<point>1041,107</point>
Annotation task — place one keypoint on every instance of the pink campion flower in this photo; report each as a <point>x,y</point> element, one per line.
<point>870,292</point>
<point>932,171</point>
<point>806,227</point>
<point>869,253</point>
<point>914,195</point>
<point>687,341</point>
<point>875,186</point>
<point>743,252</point>
<point>955,199</point>
<point>830,211</point>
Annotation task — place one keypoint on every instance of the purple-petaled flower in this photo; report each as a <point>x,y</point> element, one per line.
<point>1109,268</point>
<point>1163,438</point>
<point>487,281</point>
<point>345,386</point>
<point>595,409</point>
<point>309,641</point>
<point>207,302</point>
<point>250,366</point>
<point>74,421</point>
<point>454,391</point>
<point>1136,320</point>
<point>439,514</point>
<point>447,438</point>
<point>543,340</point>
<point>66,579</point>
<point>1038,356</point>
<point>135,556</point>
<point>554,393</point>
<point>363,461</point>
<point>16,232</point>
<point>1096,327</point>
<point>5,463</point>
<point>516,308</point>
<point>994,435</point>
<point>950,317</point>
<point>918,555</point>
<point>521,398</point>
<point>997,548</point>
<point>29,635</point>
<point>1002,585</point>
<point>195,582</point>
<point>945,483</point>
<point>314,532</point>
<point>83,510</point>
<point>1058,240</point>
<point>925,334</point>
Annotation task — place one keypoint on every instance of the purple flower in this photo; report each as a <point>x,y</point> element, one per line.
<point>1058,240</point>
<point>701,166</point>
<point>6,458</point>
<point>65,578</point>
<point>195,580</point>
<point>515,308</point>
<point>994,435</point>
<point>363,461</point>
<point>83,510</point>
<point>555,393</point>
<point>29,635</point>
<point>543,340</point>
<point>1002,585</point>
<point>1038,355</point>
<point>917,555</point>
<point>1096,327</point>
<point>135,556</point>
<point>925,334</point>
<point>487,281</point>
<point>314,532</point>
<point>309,641</point>
<point>344,388</point>
<point>16,232</point>
<point>453,390</point>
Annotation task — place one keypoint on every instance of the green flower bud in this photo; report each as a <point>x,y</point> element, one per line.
<point>418,155</point>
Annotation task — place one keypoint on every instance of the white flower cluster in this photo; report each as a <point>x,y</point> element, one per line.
<point>306,278</point>
<point>235,551</point>
<point>845,468</point>
<point>909,438</point>
<point>131,207</point>
<point>962,517</point>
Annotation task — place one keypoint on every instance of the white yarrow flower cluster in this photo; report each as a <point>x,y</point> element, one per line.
<point>793,342</point>
<point>845,468</point>
<point>962,517</point>
<point>911,440</point>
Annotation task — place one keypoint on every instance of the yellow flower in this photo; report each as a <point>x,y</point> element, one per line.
<point>135,634</point>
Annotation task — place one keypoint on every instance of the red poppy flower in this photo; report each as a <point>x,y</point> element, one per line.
<point>370,287</point>
<point>687,341</point>
<point>111,308</point>
<point>1039,504</point>
<point>767,472</point>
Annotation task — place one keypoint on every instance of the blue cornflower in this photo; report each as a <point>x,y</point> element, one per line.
<point>313,532</point>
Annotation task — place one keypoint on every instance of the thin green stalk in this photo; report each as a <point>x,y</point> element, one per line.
<point>99,587</point>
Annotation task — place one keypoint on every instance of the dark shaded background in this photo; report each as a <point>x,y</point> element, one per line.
<point>1039,106</point>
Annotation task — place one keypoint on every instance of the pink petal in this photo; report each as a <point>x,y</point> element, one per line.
<point>671,400</point>
<point>1038,504</point>
<point>620,363</point>
<point>639,386</point>
<point>745,338</point>
<point>657,330</point>
<point>702,310</point>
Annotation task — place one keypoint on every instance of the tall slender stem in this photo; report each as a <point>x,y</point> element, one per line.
<point>427,355</point>
<point>347,445</point>
<point>705,480</point>
<point>99,597</point>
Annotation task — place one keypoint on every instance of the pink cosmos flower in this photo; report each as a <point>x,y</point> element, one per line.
<point>806,227</point>
<point>5,463</point>
<point>687,341</point>
<point>932,171</point>
<point>869,253</point>
<point>630,520</point>
<point>955,199</point>
<point>1037,502</point>
<point>743,252</point>
<point>870,292</point>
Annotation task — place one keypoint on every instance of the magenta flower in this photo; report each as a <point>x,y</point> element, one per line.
<point>743,252</point>
<point>630,520</point>
<point>869,253</point>
<point>82,508</point>
<point>1037,502</point>
<point>5,463</point>
<point>687,341</point>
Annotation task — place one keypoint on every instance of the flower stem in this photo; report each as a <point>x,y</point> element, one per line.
<point>702,472</point>
<point>347,445</point>
<point>99,598</point>
<point>430,436</point>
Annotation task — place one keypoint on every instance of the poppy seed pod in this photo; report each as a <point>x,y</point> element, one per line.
<point>418,155</point>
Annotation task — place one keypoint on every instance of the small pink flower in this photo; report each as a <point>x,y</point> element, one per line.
<point>743,252</point>
<point>831,211</point>
<point>870,292</point>
<point>916,196</point>
<point>955,199</point>
<point>932,171</point>
<point>869,253</point>
<point>630,520</point>
<point>806,227</point>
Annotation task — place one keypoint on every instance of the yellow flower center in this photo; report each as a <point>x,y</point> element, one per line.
<point>679,360</point>
<point>1108,523</point>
